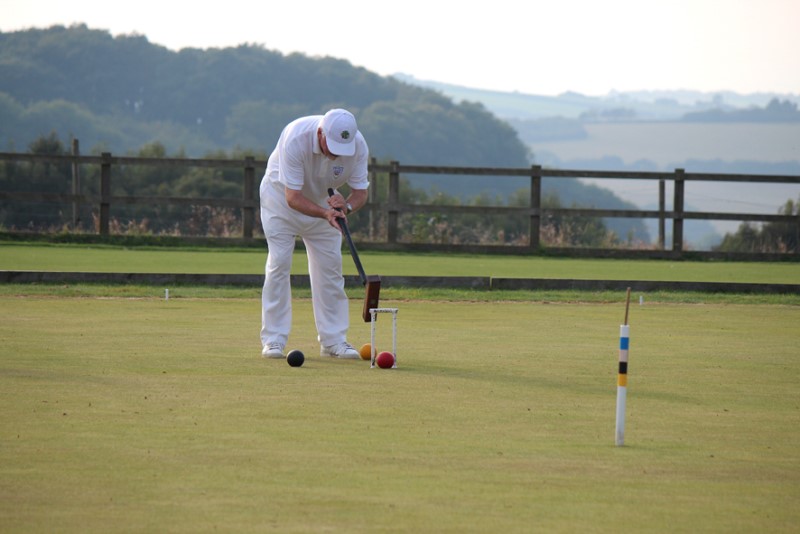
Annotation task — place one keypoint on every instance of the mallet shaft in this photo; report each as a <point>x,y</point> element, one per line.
<point>627,304</point>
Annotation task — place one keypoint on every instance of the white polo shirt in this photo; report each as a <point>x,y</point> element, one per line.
<point>298,163</point>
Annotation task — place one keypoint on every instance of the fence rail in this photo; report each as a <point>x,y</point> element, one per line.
<point>392,208</point>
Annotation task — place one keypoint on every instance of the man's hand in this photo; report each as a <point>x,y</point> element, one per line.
<point>343,206</point>
<point>339,207</point>
<point>333,215</point>
<point>337,202</point>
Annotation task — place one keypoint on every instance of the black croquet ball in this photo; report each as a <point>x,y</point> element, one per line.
<point>295,358</point>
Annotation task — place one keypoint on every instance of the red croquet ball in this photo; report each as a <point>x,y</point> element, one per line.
<point>385,360</point>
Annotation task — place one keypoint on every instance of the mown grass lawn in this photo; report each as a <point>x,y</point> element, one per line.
<point>132,413</point>
<point>164,260</point>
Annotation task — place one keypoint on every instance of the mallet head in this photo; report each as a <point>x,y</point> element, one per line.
<point>372,298</point>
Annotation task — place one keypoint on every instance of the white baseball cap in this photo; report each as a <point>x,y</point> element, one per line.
<point>340,129</point>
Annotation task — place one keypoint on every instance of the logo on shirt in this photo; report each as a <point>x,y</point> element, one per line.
<point>338,170</point>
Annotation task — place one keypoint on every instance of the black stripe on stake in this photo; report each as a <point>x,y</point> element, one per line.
<point>623,368</point>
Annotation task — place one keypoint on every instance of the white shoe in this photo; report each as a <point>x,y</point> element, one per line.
<point>343,350</point>
<point>272,350</point>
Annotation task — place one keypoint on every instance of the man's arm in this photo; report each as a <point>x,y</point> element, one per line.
<point>299,202</point>
<point>357,198</point>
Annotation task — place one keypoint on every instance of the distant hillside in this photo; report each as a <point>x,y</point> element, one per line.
<point>119,93</point>
<point>775,111</point>
<point>636,106</point>
<point>123,93</point>
<point>722,132</point>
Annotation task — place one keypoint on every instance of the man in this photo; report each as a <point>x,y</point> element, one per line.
<point>313,154</point>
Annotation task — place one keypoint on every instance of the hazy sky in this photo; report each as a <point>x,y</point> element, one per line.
<point>535,46</point>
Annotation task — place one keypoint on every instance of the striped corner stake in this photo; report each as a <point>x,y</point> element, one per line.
<point>622,374</point>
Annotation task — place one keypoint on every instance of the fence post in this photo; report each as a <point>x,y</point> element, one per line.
<point>76,184</point>
<point>677,207</point>
<point>662,207</point>
<point>372,198</point>
<point>248,208</point>
<point>393,200</point>
<point>535,223</point>
<point>105,193</point>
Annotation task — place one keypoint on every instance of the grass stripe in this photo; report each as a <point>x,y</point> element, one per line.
<point>115,259</point>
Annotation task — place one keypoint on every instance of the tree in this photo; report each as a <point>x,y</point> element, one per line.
<point>36,177</point>
<point>769,237</point>
<point>122,92</point>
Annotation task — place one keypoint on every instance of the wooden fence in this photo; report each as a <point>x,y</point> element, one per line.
<point>392,208</point>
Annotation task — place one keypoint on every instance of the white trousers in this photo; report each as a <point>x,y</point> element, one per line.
<point>324,250</point>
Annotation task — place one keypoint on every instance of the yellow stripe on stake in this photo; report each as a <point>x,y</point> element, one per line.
<point>622,381</point>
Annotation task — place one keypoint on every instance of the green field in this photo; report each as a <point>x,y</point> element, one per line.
<point>123,411</point>
<point>142,415</point>
<point>164,260</point>
<point>666,143</point>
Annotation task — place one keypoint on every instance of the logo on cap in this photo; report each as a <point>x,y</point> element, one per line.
<point>345,134</point>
